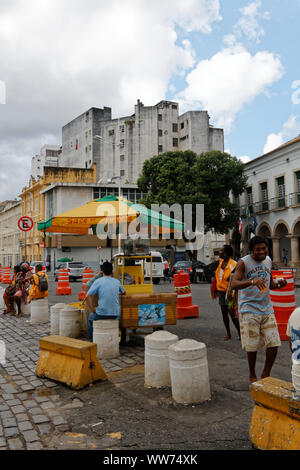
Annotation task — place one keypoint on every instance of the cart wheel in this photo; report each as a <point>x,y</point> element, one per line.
<point>122,335</point>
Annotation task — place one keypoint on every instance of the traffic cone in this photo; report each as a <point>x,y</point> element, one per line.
<point>6,279</point>
<point>185,307</point>
<point>63,286</point>
<point>86,276</point>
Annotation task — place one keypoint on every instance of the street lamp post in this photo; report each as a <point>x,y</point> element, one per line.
<point>110,180</point>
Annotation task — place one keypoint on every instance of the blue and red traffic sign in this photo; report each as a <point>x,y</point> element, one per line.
<point>25,223</point>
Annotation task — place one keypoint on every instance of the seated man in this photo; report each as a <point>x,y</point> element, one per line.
<point>108,289</point>
<point>39,286</point>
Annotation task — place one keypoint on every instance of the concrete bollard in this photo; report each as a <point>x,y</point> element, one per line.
<point>157,370</point>
<point>39,311</point>
<point>296,376</point>
<point>25,308</point>
<point>54,318</point>
<point>69,321</point>
<point>189,372</point>
<point>106,336</point>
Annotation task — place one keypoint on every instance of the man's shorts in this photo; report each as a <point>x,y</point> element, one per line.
<point>258,331</point>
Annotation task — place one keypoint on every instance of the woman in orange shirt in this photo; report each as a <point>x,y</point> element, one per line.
<point>223,272</point>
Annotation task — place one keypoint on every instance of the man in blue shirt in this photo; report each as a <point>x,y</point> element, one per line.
<point>108,289</point>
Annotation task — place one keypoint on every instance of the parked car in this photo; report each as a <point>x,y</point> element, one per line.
<point>75,269</point>
<point>201,272</point>
<point>157,267</point>
<point>185,266</point>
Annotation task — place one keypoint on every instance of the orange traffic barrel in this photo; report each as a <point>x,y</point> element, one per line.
<point>182,287</point>
<point>283,300</point>
<point>0,274</point>
<point>63,286</point>
<point>6,279</point>
<point>87,275</point>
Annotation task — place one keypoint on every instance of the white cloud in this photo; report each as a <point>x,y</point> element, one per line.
<point>60,58</point>
<point>244,159</point>
<point>248,24</point>
<point>228,80</point>
<point>290,130</point>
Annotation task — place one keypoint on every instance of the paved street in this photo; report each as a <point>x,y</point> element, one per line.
<point>121,414</point>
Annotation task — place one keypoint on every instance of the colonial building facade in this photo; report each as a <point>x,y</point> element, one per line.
<point>272,201</point>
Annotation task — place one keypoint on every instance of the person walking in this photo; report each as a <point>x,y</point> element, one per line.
<point>223,273</point>
<point>108,289</point>
<point>166,271</point>
<point>253,279</point>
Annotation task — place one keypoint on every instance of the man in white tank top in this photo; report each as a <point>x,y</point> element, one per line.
<point>253,278</point>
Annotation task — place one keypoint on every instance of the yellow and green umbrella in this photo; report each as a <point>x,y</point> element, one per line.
<point>108,210</point>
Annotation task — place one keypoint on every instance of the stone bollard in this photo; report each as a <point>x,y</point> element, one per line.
<point>157,370</point>
<point>25,308</point>
<point>39,311</point>
<point>189,372</point>
<point>106,336</point>
<point>69,321</point>
<point>54,318</point>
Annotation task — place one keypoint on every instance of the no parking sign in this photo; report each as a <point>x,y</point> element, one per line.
<point>25,223</point>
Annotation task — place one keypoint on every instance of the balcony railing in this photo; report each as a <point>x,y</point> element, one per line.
<point>283,202</point>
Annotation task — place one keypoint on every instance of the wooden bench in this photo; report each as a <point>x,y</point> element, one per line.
<point>68,360</point>
<point>275,423</point>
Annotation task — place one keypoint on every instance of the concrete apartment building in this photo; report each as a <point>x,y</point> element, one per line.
<point>273,197</point>
<point>128,141</point>
<point>49,156</point>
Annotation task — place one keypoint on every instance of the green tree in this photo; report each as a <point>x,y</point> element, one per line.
<point>188,178</point>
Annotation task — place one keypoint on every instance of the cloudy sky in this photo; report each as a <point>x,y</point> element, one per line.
<point>237,59</point>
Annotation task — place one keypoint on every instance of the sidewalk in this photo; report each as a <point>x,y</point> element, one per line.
<point>30,407</point>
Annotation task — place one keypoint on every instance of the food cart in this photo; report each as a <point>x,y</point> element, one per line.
<point>141,308</point>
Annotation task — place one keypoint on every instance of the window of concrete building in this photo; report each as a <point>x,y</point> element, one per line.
<point>298,186</point>
<point>122,129</point>
<point>264,196</point>
<point>111,132</point>
<point>175,127</point>
<point>122,173</point>
<point>182,125</point>
<point>250,199</point>
<point>281,191</point>
<point>86,149</point>
<point>86,117</point>
<point>174,106</point>
<point>122,158</point>
<point>90,147</point>
<point>86,134</point>
<point>122,142</point>
<point>159,117</point>
<point>160,148</point>
<point>160,132</point>
<point>175,142</point>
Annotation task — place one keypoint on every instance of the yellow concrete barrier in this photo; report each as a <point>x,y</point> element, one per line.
<point>71,361</point>
<point>275,423</point>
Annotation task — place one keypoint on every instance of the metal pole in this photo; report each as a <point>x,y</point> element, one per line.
<point>25,246</point>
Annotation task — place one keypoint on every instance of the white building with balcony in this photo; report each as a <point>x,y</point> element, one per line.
<point>273,198</point>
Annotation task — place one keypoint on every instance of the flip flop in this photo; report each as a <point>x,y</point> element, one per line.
<point>227,338</point>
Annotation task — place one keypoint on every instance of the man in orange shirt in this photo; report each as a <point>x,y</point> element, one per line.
<point>223,272</point>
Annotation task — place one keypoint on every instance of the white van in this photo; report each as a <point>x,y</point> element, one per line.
<point>157,267</point>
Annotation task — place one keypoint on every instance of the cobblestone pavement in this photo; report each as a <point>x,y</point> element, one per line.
<point>31,409</point>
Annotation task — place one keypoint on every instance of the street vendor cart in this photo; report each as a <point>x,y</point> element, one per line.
<point>141,307</point>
